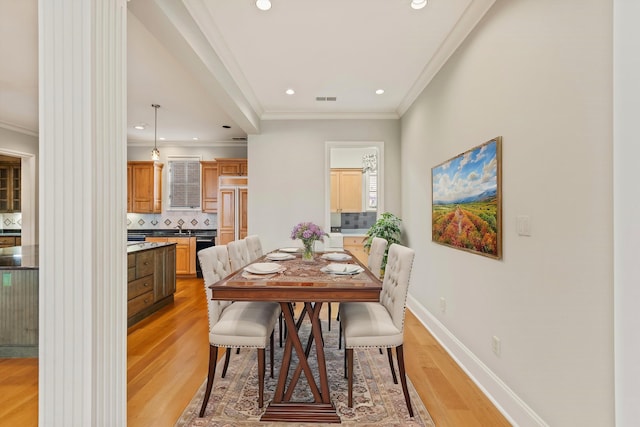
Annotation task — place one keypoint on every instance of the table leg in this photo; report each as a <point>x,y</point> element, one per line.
<point>321,409</point>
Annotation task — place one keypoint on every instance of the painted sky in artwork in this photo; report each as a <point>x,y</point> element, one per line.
<point>466,176</point>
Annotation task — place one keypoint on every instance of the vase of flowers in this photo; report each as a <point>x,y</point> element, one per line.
<point>309,233</point>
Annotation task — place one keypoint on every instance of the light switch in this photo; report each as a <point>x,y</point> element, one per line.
<point>523,225</point>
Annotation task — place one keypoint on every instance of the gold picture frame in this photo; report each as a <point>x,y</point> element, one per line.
<point>466,200</point>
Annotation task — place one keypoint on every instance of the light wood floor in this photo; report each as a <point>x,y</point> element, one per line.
<point>167,362</point>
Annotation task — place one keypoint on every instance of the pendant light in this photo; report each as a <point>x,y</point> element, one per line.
<point>155,153</point>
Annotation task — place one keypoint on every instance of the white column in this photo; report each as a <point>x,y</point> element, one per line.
<point>82,182</point>
<point>626,151</point>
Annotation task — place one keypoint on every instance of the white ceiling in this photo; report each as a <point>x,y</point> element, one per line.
<point>210,63</point>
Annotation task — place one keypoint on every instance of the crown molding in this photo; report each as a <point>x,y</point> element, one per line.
<point>19,129</point>
<point>467,22</point>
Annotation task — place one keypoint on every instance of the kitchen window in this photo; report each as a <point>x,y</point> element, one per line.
<point>184,183</point>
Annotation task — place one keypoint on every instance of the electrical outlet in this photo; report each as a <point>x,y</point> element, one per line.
<point>495,345</point>
<point>443,305</point>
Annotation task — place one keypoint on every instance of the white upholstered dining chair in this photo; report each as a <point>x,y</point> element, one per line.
<point>380,324</point>
<point>376,255</point>
<point>247,324</point>
<point>238,254</point>
<point>254,247</point>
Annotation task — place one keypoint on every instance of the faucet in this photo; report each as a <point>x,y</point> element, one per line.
<point>179,227</point>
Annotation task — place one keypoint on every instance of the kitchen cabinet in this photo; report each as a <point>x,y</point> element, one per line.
<point>209,186</point>
<point>235,167</point>
<point>164,276</point>
<point>355,245</point>
<point>140,286</point>
<point>144,187</point>
<point>9,241</point>
<point>346,190</point>
<point>10,186</point>
<point>151,281</point>
<point>185,253</point>
<point>232,215</point>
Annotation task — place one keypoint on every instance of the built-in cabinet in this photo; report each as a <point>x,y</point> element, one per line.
<point>185,249</point>
<point>144,187</point>
<point>209,186</point>
<point>10,185</point>
<point>151,281</point>
<point>346,190</point>
<point>9,241</point>
<point>232,215</point>
<point>235,167</point>
<point>355,245</point>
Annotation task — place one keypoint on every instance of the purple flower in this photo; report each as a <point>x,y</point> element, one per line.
<point>308,232</point>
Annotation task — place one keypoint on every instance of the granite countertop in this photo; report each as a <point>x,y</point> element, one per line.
<point>143,246</point>
<point>172,232</point>
<point>19,258</point>
<point>10,233</point>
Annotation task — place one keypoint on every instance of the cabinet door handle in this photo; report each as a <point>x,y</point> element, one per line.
<point>146,284</point>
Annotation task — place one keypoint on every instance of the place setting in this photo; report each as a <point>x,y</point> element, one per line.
<point>342,269</point>
<point>336,256</point>
<point>262,270</point>
<point>280,256</point>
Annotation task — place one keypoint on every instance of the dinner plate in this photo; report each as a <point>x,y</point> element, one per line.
<point>290,250</point>
<point>335,256</point>
<point>342,269</point>
<point>263,268</point>
<point>279,256</point>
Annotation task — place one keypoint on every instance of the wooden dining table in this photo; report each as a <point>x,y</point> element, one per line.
<point>301,282</point>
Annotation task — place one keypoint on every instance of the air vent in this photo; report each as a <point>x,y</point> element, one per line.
<point>239,138</point>
<point>326,98</point>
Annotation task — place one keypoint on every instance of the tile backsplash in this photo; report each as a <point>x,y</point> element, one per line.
<point>11,221</point>
<point>358,220</point>
<point>186,219</point>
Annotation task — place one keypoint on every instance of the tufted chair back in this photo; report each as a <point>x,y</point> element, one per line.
<point>395,285</point>
<point>254,247</point>
<point>238,254</point>
<point>376,254</point>
<point>214,262</point>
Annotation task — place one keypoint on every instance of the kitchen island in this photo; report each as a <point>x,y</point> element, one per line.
<point>151,278</point>
<point>19,301</point>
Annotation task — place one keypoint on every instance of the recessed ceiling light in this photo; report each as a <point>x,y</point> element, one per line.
<point>418,4</point>
<point>290,91</point>
<point>264,4</point>
<point>162,138</point>
<point>379,91</point>
<point>195,138</point>
<point>139,127</point>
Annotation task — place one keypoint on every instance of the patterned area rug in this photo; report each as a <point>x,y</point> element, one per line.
<point>377,401</point>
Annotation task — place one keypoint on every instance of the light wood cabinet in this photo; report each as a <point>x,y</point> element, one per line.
<point>232,214</point>
<point>8,241</point>
<point>346,190</point>
<point>235,167</point>
<point>185,253</point>
<point>10,186</point>
<point>209,186</point>
<point>355,245</point>
<point>144,186</point>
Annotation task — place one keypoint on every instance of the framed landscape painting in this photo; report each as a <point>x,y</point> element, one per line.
<point>466,203</point>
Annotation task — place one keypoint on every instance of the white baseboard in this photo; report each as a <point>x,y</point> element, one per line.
<point>506,401</point>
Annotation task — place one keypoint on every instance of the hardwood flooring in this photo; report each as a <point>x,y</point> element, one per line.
<point>167,362</point>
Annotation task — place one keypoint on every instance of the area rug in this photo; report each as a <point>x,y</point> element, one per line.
<point>377,401</point>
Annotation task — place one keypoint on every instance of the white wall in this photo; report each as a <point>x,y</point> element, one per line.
<point>538,73</point>
<point>287,173</point>
<point>626,209</point>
